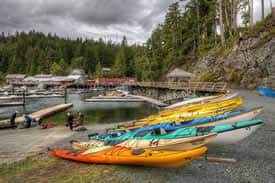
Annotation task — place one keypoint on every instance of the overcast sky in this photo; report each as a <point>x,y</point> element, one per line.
<point>109,19</point>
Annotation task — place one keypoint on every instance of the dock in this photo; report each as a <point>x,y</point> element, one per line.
<point>39,114</point>
<point>13,97</point>
<point>126,98</point>
<point>151,100</point>
<point>11,104</point>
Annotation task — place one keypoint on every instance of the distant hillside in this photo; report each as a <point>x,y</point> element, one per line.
<point>246,60</point>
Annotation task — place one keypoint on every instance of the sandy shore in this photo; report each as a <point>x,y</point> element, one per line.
<point>255,155</point>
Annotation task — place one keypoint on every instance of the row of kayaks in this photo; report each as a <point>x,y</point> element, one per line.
<point>172,138</point>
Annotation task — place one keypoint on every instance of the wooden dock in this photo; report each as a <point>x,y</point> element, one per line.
<point>151,100</point>
<point>126,98</point>
<point>39,114</point>
<point>11,104</point>
<point>195,86</point>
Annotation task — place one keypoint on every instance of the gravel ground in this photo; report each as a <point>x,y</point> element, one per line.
<point>255,155</point>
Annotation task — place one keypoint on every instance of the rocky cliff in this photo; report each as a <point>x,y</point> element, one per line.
<point>247,61</point>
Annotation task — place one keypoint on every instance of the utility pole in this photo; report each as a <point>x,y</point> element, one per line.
<point>251,12</point>
<point>262,9</point>
<point>221,22</point>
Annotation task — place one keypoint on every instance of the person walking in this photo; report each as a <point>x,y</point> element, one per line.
<point>12,119</point>
<point>70,120</point>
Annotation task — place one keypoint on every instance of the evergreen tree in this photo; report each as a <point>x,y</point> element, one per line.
<point>57,70</point>
<point>98,72</point>
<point>119,68</point>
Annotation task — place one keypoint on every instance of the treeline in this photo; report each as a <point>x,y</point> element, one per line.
<point>35,53</point>
<point>189,32</point>
<point>186,34</point>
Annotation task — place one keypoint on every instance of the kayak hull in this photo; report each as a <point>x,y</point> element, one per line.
<point>241,117</point>
<point>124,156</point>
<point>181,144</point>
<point>233,136</point>
<point>267,92</point>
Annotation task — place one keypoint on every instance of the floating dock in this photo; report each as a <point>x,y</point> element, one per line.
<point>11,104</point>
<point>127,98</point>
<point>39,114</point>
<point>115,99</point>
<point>30,97</point>
<point>150,100</point>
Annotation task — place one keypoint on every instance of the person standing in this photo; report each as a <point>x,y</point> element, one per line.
<point>70,120</point>
<point>12,119</point>
<point>28,120</point>
<point>81,118</point>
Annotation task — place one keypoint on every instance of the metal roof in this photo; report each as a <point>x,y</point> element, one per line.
<point>179,73</point>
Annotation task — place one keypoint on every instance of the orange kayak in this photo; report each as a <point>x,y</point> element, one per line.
<point>126,156</point>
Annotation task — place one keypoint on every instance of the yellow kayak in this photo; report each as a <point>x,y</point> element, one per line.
<point>190,113</point>
<point>194,108</point>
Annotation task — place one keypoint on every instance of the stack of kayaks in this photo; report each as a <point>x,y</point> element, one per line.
<point>172,138</point>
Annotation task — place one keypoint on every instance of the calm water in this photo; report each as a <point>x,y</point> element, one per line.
<point>94,112</point>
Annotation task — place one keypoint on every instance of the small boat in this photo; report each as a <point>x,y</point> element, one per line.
<point>86,145</point>
<point>227,118</point>
<point>238,131</point>
<point>189,102</point>
<point>193,109</point>
<point>267,92</point>
<point>189,113</point>
<point>180,144</point>
<point>126,156</point>
<point>203,100</point>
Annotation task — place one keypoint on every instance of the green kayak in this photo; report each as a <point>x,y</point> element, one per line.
<point>237,128</point>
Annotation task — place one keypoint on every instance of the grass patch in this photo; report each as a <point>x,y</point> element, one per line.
<point>42,168</point>
<point>268,37</point>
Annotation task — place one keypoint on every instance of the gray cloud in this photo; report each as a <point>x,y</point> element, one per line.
<point>110,19</point>
<point>87,18</point>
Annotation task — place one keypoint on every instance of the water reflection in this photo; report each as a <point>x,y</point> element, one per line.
<point>99,112</point>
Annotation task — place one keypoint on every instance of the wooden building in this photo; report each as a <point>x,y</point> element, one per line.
<point>180,75</point>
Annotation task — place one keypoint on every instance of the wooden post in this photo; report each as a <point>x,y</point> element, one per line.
<point>273,13</point>
<point>24,98</point>
<point>218,159</point>
<point>65,94</point>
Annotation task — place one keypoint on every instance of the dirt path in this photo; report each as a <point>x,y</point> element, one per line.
<point>17,144</point>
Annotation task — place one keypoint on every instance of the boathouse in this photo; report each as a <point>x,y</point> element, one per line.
<point>180,75</point>
<point>14,78</point>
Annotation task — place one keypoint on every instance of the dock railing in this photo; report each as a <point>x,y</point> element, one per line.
<point>197,86</point>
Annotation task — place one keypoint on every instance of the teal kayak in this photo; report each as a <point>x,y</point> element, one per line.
<point>180,133</point>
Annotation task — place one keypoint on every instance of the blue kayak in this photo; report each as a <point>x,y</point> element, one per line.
<point>267,92</point>
<point>177,125</point>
